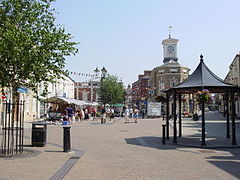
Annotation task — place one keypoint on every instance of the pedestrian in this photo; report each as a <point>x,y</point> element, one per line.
<point>127,115</point>
<point>108,113</point>
<point>86,114</point>
<point>103,115</point>
<point>112,114</point>
<point>94,111</point>
<point>135,114</point>
<point>143,113</point>
<point>82,115</point>
<point>69,112</point>
<point>77,115</point>
<point>130,112</point>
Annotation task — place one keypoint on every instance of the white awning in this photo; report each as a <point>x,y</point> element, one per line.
<point>62,100</point>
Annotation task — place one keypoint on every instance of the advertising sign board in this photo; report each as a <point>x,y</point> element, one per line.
<point>154,109</point>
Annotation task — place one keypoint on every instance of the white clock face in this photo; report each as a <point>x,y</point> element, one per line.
<point>170,49</point>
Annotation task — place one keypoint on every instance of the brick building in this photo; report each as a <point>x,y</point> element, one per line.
<point>87,91</point>
<point>140,90</point>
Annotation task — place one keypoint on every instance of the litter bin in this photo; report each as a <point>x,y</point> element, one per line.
<point>39,134</point>
<point>195,117</point>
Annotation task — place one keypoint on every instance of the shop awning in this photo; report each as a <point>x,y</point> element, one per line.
<point>62,100</point>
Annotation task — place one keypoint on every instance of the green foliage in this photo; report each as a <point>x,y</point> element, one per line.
<point>203,96</point>
<point>32,47</point>
<point>111,90</point>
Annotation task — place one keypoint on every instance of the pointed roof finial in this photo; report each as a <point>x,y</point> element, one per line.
<point>170,30</point>
<point>201,58</point>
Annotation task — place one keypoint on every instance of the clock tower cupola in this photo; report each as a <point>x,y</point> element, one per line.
<point>170,49</point>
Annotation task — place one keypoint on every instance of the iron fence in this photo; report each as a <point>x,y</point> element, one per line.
<point>12,128</point>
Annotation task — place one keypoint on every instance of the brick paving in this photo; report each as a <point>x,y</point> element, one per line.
<point>120,151</point>
<point>215,131</point>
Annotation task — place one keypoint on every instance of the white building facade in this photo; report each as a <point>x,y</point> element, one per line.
<point>233,77</point>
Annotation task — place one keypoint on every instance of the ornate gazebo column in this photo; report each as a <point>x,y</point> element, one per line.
<point>175,117</point>
<point>227,114</point>
<point>203,124</point>
<point>167,116</point>
<point>233,120</point>
<point>180,114</point>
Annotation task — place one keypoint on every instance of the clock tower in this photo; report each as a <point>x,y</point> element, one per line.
<point>170,49</point>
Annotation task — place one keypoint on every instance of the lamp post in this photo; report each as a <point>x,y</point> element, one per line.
<point>104,72</point>
<point>103,75</point>
<point>96,71</point>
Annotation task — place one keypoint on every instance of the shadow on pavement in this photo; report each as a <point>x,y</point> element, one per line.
<point>230,167</point>
<point>229,162</point>
<point>149,141</point>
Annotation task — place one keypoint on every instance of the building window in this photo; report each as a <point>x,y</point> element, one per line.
<point>173,70</point>
<point>84,96</point>
<point>161,85</point>
<point>173,82</point>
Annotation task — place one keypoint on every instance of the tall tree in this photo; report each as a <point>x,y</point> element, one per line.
<point>32,47</point>
<point>111,90</point>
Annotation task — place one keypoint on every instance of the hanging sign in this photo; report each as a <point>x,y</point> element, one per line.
<point>22,90</point>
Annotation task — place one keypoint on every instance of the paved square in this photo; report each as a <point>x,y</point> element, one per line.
<point>121,151</point>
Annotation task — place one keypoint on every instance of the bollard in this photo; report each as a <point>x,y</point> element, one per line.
<point>66,139</point>
<point>163,134</point>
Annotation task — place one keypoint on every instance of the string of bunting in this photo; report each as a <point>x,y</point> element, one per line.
<point>81,74</point>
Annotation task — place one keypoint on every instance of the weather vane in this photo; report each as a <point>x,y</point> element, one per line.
<point>170,30</point>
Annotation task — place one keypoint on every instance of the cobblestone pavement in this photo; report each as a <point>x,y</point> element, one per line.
<point>121,151</point>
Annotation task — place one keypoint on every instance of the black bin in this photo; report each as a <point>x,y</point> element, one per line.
<point>39,134</point>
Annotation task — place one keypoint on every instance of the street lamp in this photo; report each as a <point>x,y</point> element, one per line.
<point>104,72</point>
<point>96,71</point>
<point>103,75</point>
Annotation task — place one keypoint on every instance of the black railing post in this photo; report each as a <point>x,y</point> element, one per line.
<point>203,125</point>
<point>228,121</point>
<point>167,115</point>
<point>234,142</point>
<point>163,134</point>
<point>66,139</point>
<point>174,117</point>
<point>11,129</point>
<point>180,115</point>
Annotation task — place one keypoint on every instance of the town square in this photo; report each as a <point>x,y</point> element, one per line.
<point>119,90</point>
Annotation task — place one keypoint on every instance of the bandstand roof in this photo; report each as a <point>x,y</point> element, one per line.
<point>203,78</point>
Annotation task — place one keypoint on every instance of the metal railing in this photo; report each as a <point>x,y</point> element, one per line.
<point>12,128</point>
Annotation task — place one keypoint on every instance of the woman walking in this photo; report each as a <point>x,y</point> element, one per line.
<point>135,114</point>
<point>127,115</point>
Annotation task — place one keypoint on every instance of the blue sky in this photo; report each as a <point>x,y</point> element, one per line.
<point>125,35</point>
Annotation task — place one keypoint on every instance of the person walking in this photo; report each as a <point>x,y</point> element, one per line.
<point>127,115</point>
<point>69,113</point>
<point>103,115</point>
<point>94,111</point>
<point>86,114</point>
<point>130,112</point>
<point>143,113</point>
<point>112,114</point>
<point>135,114</point>
<point>82,115</point>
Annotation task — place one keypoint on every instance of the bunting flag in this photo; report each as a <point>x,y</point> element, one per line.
<point>81,74</point>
